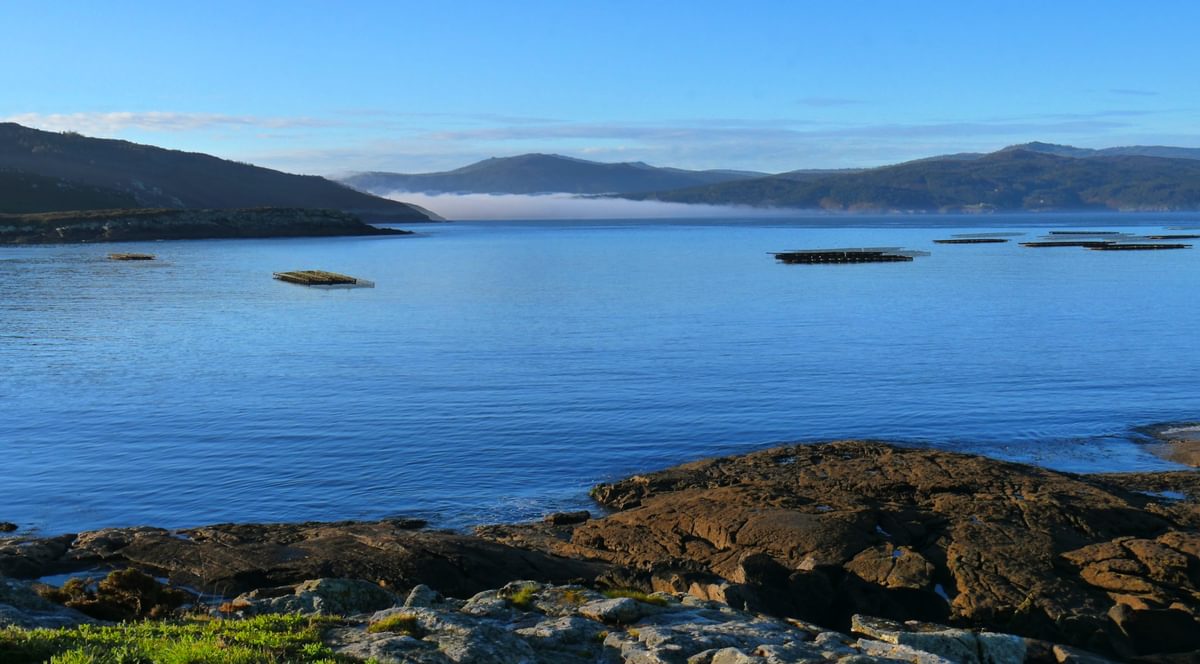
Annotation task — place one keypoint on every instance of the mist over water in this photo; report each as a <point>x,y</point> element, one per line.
<point>470,207</point>
<point>498,369</point>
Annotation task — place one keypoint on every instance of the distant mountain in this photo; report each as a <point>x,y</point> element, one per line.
<point>153,177</point>
<point>1129,150</point>
<point>543,173</point>
<point>1011,179</point>
<point>27,192</point>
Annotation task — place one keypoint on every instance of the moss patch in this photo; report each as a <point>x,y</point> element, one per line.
<point>640,596</point>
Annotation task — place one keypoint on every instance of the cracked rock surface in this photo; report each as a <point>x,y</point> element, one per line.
<point>823,532</point>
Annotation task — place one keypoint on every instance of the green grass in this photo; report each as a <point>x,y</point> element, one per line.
<point>400,623</point>
<point>640,596</point>
<point>262,639</point>
<point>523,598</point>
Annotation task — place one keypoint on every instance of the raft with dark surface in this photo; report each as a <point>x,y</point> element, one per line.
<point>1090,244</point>
<point>1173,237</point>
<point>832,256</point>
<point>320,278</point>
<point>971,240</point>
<point>1085,233</point>
<point>131,257</point>
<point>1139,247</point>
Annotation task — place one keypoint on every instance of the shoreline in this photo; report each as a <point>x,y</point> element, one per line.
<point>815,532</point>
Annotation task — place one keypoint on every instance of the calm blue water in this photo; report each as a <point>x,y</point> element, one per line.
<point>499,369</point>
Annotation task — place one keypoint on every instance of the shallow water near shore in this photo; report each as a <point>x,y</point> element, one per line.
<point>498,369</point>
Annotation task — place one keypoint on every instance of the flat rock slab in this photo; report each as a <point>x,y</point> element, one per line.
<point>230,559</point>
<point>822,532</point>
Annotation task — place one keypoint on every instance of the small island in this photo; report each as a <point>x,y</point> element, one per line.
<point>129,225</point>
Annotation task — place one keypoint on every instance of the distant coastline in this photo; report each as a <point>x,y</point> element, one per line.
<point>128,225</point>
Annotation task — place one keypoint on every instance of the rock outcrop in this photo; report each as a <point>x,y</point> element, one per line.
<point>1178,442</point>
<point>823,532</point>
<point>188,224</point>
<point>229,559</point>
<point>535,623</point>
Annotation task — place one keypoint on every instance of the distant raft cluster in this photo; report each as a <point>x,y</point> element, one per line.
<point>1095,240</point>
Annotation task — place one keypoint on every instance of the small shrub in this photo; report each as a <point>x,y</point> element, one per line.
<point>125,594</point>
<point>399,623</point>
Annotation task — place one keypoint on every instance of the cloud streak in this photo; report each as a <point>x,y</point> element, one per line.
<point>158,121</point>
<point>829,102</point>
<point>1133,92</point>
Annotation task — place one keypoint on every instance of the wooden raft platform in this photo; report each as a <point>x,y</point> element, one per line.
<point>830,256</point>
<point>131,257</point>
<point>1139,247</point>
<point>321,278</point>
<point>971,240</point>
<point>1090,244</point>
<point>1173,237</point>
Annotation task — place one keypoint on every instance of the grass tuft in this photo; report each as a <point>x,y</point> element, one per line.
<point>399,623</point>
<point>523,598</point>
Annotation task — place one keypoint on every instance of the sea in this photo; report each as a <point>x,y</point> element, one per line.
<point>498,369</point>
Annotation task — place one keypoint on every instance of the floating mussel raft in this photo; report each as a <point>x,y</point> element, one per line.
<point>1090,244</point>
<point>971,240</point>
<point>1106,241</point>
<point>323,278</point>
<point>1134,246</point>
<point>834,256</point>
<point>131,257</point>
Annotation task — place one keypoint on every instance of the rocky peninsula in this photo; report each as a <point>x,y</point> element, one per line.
<point>126,225</point>
<point>816,553</point>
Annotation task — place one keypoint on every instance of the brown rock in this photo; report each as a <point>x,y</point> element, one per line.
<point>908,533</point>
<point>892,567</point>
<point>1157,630</point>
<point>230,559</point>
<point>567,518</point>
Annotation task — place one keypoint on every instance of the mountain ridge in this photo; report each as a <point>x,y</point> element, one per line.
<point>540,173</point>
<point>154,177</point>
<point>1009,179</point>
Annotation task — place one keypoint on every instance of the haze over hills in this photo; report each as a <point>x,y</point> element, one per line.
<point>1015,178</point>
<point>543,173</point>
<point>94,173</point>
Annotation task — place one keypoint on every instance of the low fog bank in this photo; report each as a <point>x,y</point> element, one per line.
<point>468,207</point>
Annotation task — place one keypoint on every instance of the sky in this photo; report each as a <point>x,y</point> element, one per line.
<point>335,87</point>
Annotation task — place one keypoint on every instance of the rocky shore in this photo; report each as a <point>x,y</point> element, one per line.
<point>177,224</point>
<point>856,537</point>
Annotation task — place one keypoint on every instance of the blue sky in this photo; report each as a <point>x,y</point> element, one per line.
<point>326,87</point>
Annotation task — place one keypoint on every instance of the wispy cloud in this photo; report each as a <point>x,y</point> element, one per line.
<point>1133,92</point>
<point>767,145</point>
<point>827,102</point>
<point>158,121</point>
<point>373,139</point>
